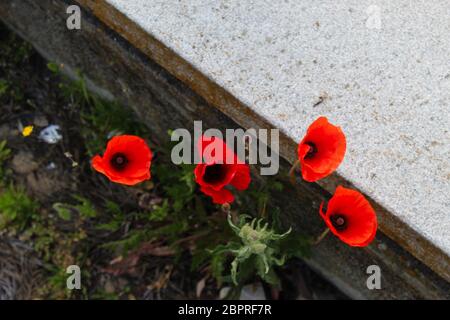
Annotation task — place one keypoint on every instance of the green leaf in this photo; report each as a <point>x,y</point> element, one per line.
<point>3,87</point>
<point>295,245</point>
<point>53,67</point>
<point>159,213</point>
<point>86,209</point>
<point>113,208</point>
<point>110,226</point>
<point>63,212</point>
<point>234,270</point>
<point>5,152</point>
<point>270,277</point>
<point>218,266</point>
<point>16,208</point>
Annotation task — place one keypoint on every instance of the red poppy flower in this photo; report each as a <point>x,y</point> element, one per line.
<point>220,169</point>
<point>127,160</point>
<point>322,150</point>
<point>350,217</point>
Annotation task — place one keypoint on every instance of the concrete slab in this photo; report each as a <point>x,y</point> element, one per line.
<point>382,69</point>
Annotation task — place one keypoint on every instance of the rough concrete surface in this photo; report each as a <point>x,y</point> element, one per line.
<point>386,84</point>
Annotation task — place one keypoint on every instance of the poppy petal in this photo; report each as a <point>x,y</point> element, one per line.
<point>137,155</point>
<point>97,164</point>
<point>360,217</point>
<point>242,178</point>
<point>218,197</point>
<point>322,150</point>
<point>215,176</point>
<point>212,149</point>
<point>131,180</point>
<point>220,169</point>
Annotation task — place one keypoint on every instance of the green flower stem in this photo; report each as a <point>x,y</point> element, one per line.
<point>321,237</point>
<point>292,172</point>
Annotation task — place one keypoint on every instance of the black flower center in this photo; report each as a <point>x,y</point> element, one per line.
<point>339,222</point>
<point>312,150</point>
<point>119,161</point>
<point>215,173</point>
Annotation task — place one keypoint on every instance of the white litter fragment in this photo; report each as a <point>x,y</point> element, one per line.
<point>70,157</point>
<point>51,166</point>
<point>224,292</point>
<point>51,134</point>
<point>20,126</point>
<point>253,292</point>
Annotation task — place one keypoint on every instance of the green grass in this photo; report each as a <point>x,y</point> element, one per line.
<point>183,212</point>
<point>100,118</point>
<point>22,216</point>
<point>14,54</point>
<point>183,219</point>
<point>5,153</point>
<point>16,208</point>
<point>3,87</point>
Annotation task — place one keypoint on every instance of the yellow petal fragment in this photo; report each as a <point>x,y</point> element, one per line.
<point>27,131</point>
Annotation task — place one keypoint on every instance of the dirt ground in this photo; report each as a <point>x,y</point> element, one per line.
<point>56,211</point>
